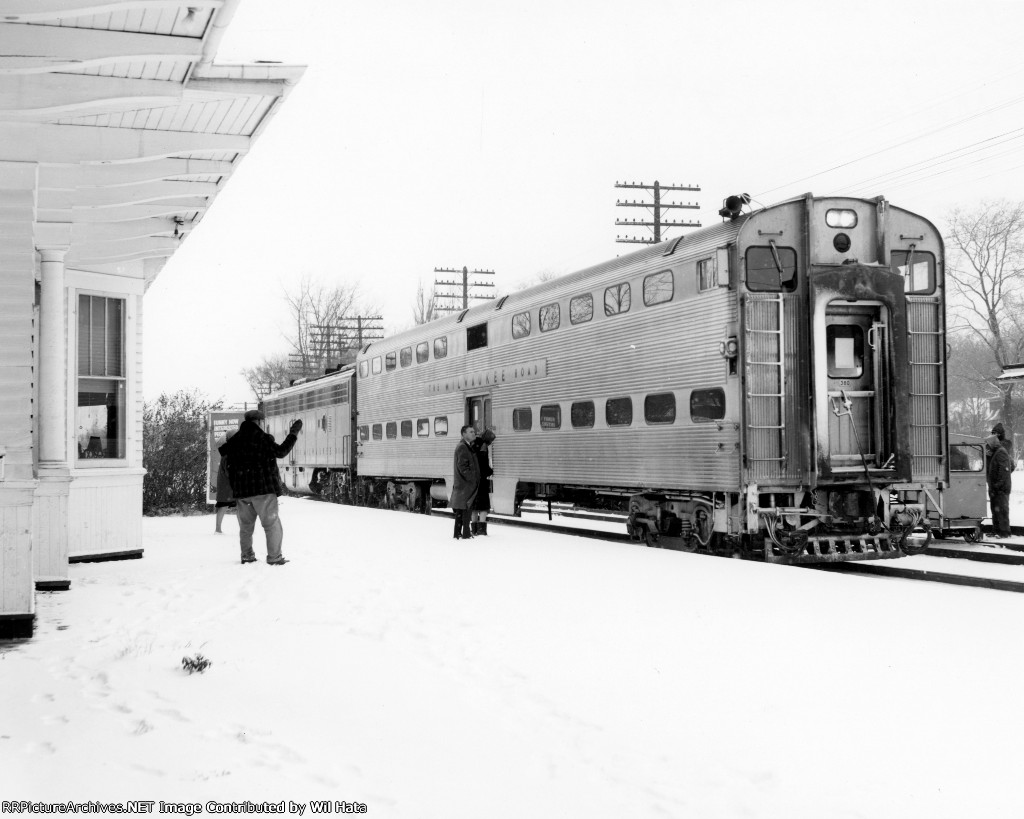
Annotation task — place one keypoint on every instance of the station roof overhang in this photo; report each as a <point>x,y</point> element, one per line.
<point>127,127</point>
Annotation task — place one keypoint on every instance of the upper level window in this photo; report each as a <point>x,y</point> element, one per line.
<point>707,274</point>
<point>364,368</point>
<point>101,413</point>
<point>441,347</point>
<point>405,356</point>
<point>660,408</point>
<point>551,416</point>
<point>707,405</point>
<point>618,412</point>
<point>581,308</point>
<point>422,352</point>
<point>616,299</point>
<point>376,365</point>
<point>771,269</point>
<point>476,336</point>
<point>390,361</point>
<point>522,418</point>
<point>550,317</point>
<point>658,287</point>
<point>918,272</point>
<point>521,325</point>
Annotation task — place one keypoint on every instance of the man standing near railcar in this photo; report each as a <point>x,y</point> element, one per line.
<point>252,455</point>
<point>999,486</point>
<point>467,482</point>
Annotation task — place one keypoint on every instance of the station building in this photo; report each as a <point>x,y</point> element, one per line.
<point>117,131</point>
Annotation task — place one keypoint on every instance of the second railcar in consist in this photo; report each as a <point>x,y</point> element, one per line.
<point>773,385</point>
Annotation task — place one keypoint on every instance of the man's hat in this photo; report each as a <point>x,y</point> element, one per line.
<point>255,415</point>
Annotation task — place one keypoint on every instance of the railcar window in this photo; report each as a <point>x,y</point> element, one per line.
<point>581,414</point>
<point>405,357</point>
<point>618,412</point>
<point>391,430</point>
<point>520,325</point>
<point>390,361</point>
<point>658,288</point>
<point>378,432</point>
<point>376,365</point>
<point>550,317</point>
<point>920,279</point>
<point>771,269</point>
<point>476,337</point>
<point>550,416</point>
<point>522,419</point>
<point>707,274</point>
<point>422,427</point>
<point>441,347</point>
<point>707,405</point>
<point>581,309</point>
<point>422,352</point>
<point>845,344</point>
<point>364,368</point>
<point>441,426</point>
<point>407,429</point>
<point>660,408</point>
<point>616,299</point>
<point>364,433</point>
<point>966,458</point>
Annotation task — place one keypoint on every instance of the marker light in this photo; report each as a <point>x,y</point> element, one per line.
<point>841,218</point>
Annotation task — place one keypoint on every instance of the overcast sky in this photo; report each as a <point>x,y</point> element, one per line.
<point>491,135</point>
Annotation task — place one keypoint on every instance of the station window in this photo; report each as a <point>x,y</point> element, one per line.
<point>771,269</point>
<point>521,325</point>
<point>391,430</point>
<point>707,405</point>
<point>551,416</point>
<point>422,427</point>
<point>707,274</point>
<point>441,347</point>
<point>364,433</point>
<point>378,432</point>
<point>616,299</point>
<point>476,337</point>
<point>101,412</point>
<point>364,368</point>
<point>407,429</point>
<point>405,357</point>
<point>918,272</point>
<point>522,419</point>
<point>422,352</point>
<point>845,345</point>
<point>376,365</point>
<point>618,412</point>
<point>966,458</point>
<point>581,309</point>
<point>581,414</point>
<point>550,316</point>
<point>660,408</point>
<point>658,288</point>
<point>441,426</point>
<point>390,361</point>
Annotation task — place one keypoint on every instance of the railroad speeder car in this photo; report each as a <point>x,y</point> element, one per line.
<point>773,385</point>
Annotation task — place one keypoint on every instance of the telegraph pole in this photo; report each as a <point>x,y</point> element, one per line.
<point>330,343</point>
<point>657,206</point>
<point>460,293</point>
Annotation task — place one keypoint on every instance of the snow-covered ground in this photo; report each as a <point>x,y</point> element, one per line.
<point>525,674</point>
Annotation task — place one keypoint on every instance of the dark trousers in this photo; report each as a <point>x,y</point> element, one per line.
<point>1000,503</point>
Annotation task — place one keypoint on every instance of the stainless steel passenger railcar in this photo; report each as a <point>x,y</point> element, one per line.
<point>774,384</point>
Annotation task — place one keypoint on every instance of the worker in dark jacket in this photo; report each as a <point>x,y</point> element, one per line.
<point>467,481</point>
<point>252,457</point>
<point>1000,432</point>
<point>999,486</point>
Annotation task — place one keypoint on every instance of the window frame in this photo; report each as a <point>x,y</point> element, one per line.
<point>709,282</point>
<point>701,419</point>
<point>607,405</point>
<point>441,347</point>
<point>763,288</point>
<point>405,356</point>
<point>659,288</point>
<point>589,297</point>
<point>118,383</point>
<point>476,337</point>
<point>558,417</point>
<point>932,270</point>
<point>518,413</point>
<point>518,326</point>
<point>423,352</point>
<point>647,409</point>
<point>553,309</point>
<point>620,289</point>
<point>574,414</point>
<point>439,421</point>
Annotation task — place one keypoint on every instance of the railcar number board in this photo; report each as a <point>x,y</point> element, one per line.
<point>493,377</point>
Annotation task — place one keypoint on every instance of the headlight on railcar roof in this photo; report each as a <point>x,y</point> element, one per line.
<point>841,218</point>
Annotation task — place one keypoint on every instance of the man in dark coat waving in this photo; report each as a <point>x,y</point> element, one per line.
<point>255,481</point>
<point>467,481</point>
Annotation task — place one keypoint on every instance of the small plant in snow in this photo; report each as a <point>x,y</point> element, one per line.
<point>198,663</point>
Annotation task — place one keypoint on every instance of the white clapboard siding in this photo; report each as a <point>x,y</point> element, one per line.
<point>16,588</point>
<point>105,513</point>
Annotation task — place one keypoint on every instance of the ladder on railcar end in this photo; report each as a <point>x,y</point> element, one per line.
<point>927,397</point>
<point>766,384</point>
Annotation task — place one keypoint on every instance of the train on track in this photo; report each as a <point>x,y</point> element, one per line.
<point>772,386</point>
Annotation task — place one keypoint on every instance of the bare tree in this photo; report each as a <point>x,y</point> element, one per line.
<point>986,270</point>
<point>424,309</point>
<point>320,336</point>
<point>270,375</point>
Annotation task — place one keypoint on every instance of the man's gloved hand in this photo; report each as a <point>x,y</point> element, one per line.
<point>296,427</point>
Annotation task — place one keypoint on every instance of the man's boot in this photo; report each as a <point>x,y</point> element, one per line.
<point>481,528</point>
<point>458,524</point>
